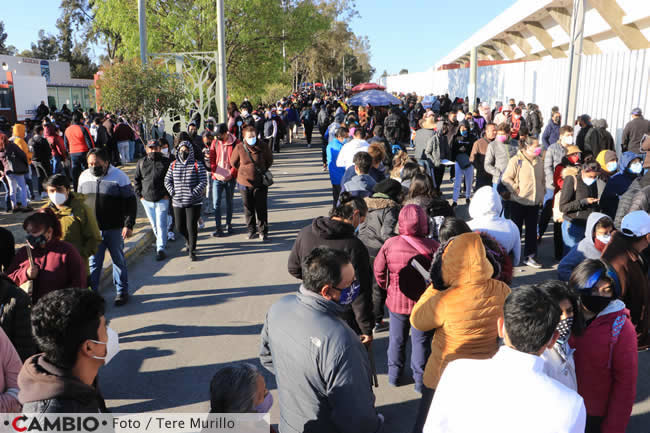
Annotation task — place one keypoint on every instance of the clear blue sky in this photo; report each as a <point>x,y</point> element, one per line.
<point>415,34</point>
<point>411,34</point>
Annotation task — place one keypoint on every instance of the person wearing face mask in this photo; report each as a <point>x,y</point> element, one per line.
<point>109,193</point>
<point>608,161</point>
<point>75,341</point>
<point>498,154</point>
<point>598,234</point>
<point>336,173</point>
<point>240,388</point>
<point>78,222</point>
<point>224,176</point>
<point>185,182</point>
<point>606,352</point>
<point>149,182</point>
<point>477,156</point>
<point>56,263</point>
<point>461,147</point>
<point>326,382</point>
<point>252,158</point>
<point>339,231</point>
<point>524,179</point>
<point>625,254</point>
<point>558,360</point>
<point>578,199</point>
<point>391,268</point>
<point>552,132</point>
<point>629,169</point>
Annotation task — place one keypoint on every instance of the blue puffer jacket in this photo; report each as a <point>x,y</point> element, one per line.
<point>321,367</point>
<point>618,185</point>
<point>584,250</point>
<point>551,134</point>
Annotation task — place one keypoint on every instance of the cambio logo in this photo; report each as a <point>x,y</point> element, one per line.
<point>53,423</point>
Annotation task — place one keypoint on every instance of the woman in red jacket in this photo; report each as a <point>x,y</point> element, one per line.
<point>395,274</point>
<point>606,352</point>
<point>57,264</point>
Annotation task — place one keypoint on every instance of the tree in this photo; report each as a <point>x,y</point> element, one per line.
<point>3,39</point>
<point>46,47</point>
<point>404,72</point>
<point>80,14</point>
<point>138,91</point>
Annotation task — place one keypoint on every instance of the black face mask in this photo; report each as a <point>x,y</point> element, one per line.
<point>98,171</point>
<point>36,241</point>
<point>154,155</point>
<point>184,155</point>
<point>595,304</point>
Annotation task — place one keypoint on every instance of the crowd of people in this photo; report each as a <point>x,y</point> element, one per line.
<point>391,247</point>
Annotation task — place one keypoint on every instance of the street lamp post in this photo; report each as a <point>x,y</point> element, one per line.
<point>221,64</point>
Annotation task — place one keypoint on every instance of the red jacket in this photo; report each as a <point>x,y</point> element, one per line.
<point>56,142</point>
<point>397,252</point>
<point>215,151</point>
<point>60,267</point>
<point>606,367</point>
<point>77,139</point>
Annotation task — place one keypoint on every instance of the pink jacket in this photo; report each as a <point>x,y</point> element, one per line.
<point>10,366</point>
<point>607,366</point>
<point>397,252</point>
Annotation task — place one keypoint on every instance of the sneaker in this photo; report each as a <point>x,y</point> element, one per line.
<point>217,234</point>
<point>16,209</point>
<point>467,201</point>
<point>324,167</point>
<point>380,326</point>
<point>252,235</point>
<point>193,256</point>
<point>201,223</point>
<point>264,237</point>
<point>26,209</point>
<point>121,299</point>
<point>160,255</point>
<point>530,261</point>
<point>229,229</point>
<point>171,236</point>
<point>454,204</point>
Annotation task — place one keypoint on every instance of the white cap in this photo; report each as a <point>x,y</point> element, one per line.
<point>636,223</point>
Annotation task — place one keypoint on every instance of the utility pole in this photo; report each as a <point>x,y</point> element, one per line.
<point>221,64</point>
<point>142,24</point>
<point>473,69</point>
<point>575,53</point>
<point>343,70</point>
<point>284,50</point>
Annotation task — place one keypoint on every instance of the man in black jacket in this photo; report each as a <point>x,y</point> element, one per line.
<point>70,331</point>
<point>150,189</point>
<point>41,157</point>
<point>634,132</point>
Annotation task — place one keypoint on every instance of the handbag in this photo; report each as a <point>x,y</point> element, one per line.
<point>411,282</point>
<point>266,176</point>
<point>28,286</point>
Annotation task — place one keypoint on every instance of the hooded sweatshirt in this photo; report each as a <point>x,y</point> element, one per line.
<point>326,232</point>
<point>463,304</point>
<point>18,137</point>
<point>618,184</point>
<point>607,366</point>
<point>360,185</point>
<point>56,142</point>
<point>397,252</point>
<point>220,156</point>
<point>485,211</point>
<point>185,180</point>
<point>585,249</point>
<point>379,226</point>
<point>45,388</point>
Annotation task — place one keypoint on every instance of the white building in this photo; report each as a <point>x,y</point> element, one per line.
<point>523,54</point>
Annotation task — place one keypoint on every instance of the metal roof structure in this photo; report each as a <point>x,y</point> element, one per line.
<point>534,29</point>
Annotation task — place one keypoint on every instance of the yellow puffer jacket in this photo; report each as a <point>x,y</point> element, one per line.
<point>465,314</point>
<point>19,138</point>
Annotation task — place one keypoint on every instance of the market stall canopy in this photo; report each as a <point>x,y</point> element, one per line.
<point>367,86</point>
<point>376,98</point>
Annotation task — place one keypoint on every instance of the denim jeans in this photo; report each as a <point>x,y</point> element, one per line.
<point>228,190</point>
<point>131,150</point>
<point>423,409</point>
<point>398,332</point>
<point>113,242</point>
<point>468,175</point>
<point>79,164</point>
<point>17,189</point>
<point>57,165</point>
<point>572,234</point>
<point>123,148</point>
<point>157,213</point>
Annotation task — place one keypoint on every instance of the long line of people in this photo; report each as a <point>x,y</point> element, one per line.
<point>390,241</point>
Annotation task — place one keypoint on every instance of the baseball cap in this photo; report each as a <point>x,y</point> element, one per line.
<point>636,112</point>
<point>636,224</point>
<point>152,143</point>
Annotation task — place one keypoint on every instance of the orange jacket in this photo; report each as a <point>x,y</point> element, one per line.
<point>465,314</point>
<point>19,138</point>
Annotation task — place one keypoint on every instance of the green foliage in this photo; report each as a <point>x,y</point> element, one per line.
<point>274,92</point>
<point>46,47</point>
<point>140,91</point>
<point>3,39</point>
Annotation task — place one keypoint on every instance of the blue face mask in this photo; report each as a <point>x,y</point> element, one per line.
<point>265,406</point>
<point>463,133</point>
<point>349,294</point>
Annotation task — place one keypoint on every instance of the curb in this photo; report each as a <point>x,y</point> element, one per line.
<point>133,248</point>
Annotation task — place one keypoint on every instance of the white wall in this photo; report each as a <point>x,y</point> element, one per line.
<point>610,85</point>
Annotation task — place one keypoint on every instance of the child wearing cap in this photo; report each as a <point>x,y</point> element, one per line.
<point>606,351</point>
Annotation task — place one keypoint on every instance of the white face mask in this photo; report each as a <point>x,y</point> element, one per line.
<point>58,198</point>
<point>589,180</point>
<point>567,140</point>
<point>604,238</point>
<point>165,151</point>
<point>112,345</point>
<point>251,141</point>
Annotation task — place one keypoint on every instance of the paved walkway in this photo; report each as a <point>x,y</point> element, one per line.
<point>185,320</point>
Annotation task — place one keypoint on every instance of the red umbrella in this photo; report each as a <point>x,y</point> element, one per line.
<point>318,85</point>
<point>367,86</point>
